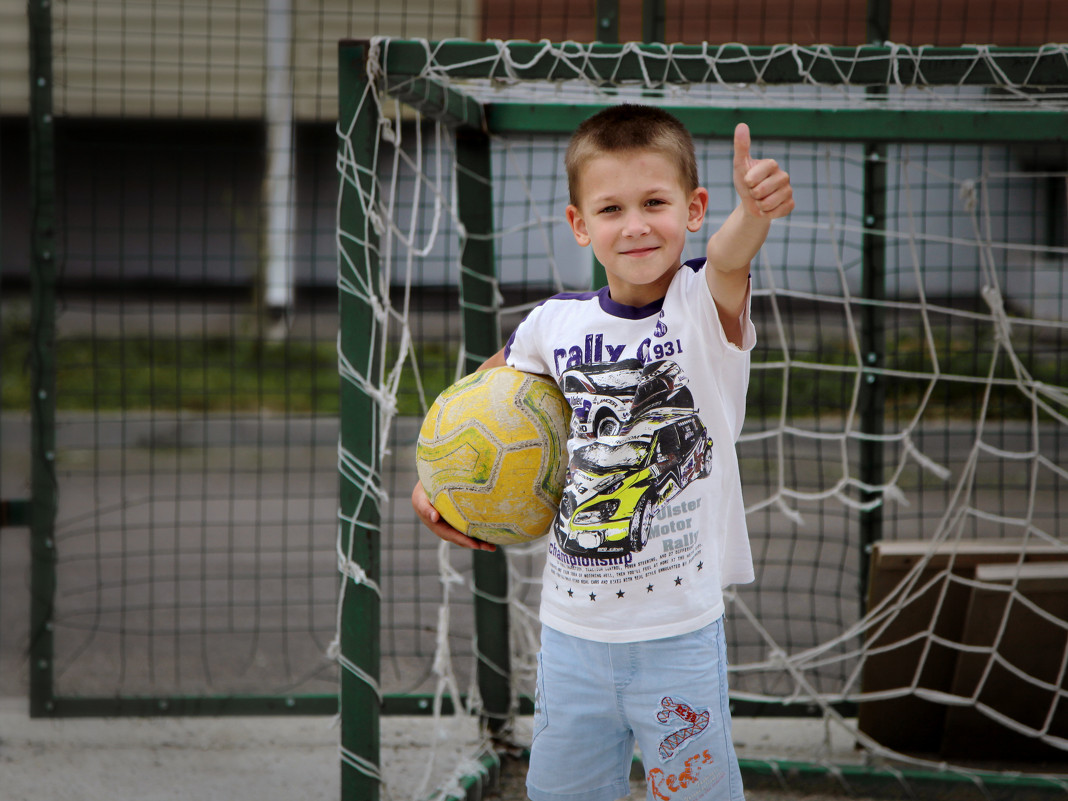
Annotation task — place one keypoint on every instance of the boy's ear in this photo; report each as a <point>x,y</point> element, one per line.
<point>578,225</point>
<point>698,208</point>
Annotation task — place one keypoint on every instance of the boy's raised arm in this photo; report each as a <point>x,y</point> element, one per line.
<point>764,193</point>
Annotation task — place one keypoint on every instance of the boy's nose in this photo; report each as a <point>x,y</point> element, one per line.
<point>634,225</point>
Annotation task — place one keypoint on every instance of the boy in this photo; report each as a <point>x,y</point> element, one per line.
<point>651,525</point>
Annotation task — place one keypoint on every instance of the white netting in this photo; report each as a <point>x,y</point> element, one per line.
<point>959,632</point>
<point>910,78</point>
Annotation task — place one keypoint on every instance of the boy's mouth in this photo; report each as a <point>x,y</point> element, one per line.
<point>638,252</point>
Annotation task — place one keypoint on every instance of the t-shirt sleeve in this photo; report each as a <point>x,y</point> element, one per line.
<point>521,351</point>
<point>746,320</point>
<point>708,313</point>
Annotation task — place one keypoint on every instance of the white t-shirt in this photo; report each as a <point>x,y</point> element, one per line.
<point>652,524</point>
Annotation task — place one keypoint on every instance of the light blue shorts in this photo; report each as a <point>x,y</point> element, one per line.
<point>594,700</point>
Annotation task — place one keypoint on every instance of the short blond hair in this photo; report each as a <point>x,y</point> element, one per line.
<point>626,127</point>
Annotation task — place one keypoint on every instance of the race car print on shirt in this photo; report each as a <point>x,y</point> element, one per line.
<point>644,448</point>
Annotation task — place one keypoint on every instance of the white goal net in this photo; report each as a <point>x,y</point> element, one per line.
<point>905,453</point>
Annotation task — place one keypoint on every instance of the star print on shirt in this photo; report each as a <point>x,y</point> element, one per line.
<point>700,565</point>
<point>678,581</point>
<point>570,593</point>
<point>593,596</point>
<point>649,588</point>
<point>619,594</point>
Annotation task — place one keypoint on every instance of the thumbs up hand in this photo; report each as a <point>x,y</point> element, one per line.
<point>763,186</point>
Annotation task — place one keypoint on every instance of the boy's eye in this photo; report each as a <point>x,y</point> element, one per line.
<point>654,202</point>
<point>609,209</point>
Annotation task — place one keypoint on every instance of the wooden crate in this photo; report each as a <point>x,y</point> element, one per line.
<point>915,723</point>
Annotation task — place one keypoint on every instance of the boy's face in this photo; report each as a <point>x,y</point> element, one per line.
<point>635,212</point>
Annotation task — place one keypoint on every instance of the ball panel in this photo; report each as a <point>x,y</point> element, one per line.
<point>520,522</point>
<point>552,412</point>
<point>518,473</point>
<point>491,400</point>
<point>467,456</point>
<point>447,509</point>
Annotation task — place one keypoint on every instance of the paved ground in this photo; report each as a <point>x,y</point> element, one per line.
<point>266,759</point>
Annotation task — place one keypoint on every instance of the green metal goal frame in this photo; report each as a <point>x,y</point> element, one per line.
<point>405,65</point>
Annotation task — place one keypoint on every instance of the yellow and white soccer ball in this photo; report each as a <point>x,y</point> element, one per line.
<point>492,454</point>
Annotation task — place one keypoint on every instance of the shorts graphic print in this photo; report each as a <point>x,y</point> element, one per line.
<point>676,712</point>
